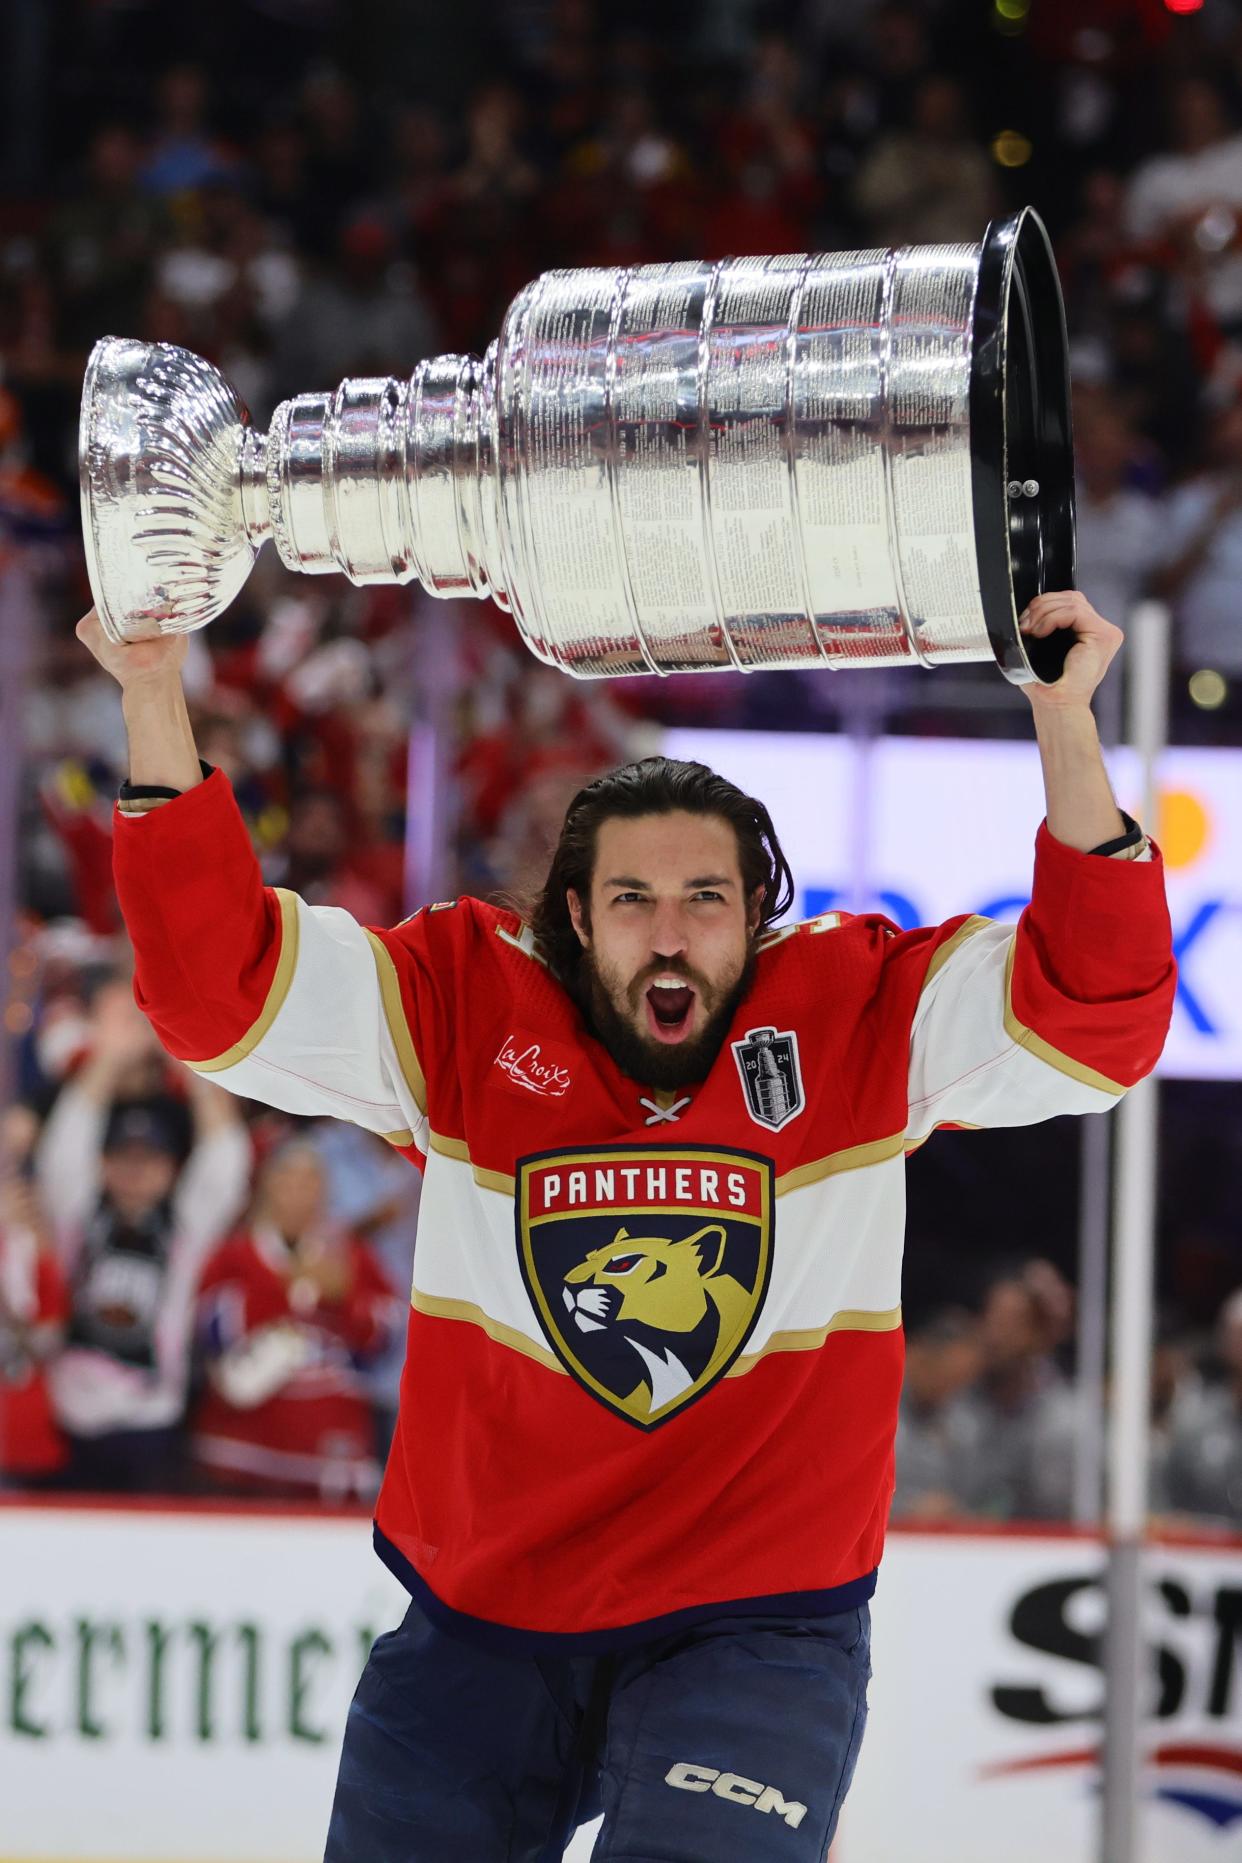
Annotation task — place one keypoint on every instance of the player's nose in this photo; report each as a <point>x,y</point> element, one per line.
<point>668,930</point>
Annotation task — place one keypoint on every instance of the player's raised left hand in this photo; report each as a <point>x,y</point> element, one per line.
<point>1095,642</point>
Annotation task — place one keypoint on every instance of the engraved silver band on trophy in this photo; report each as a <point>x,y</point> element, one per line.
<point>834,459</point>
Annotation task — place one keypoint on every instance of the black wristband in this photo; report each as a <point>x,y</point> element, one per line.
<point>155,792</point>
<point>1132,837</point>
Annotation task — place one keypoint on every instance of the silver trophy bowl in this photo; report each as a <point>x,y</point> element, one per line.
<point>832,459</point>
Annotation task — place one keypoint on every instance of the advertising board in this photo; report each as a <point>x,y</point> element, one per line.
<point>925,828</point>
<point>988,1695</point>
<point>175,1684</point>
<point>173,1687</point>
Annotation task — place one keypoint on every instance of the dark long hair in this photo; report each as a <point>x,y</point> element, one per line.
<point>653,786</point>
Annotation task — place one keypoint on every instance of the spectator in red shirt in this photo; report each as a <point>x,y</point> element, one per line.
<point>289,1311</point>
<point>34,1305</point>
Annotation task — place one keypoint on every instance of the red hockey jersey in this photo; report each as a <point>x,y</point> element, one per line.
<point>654,1348</point>
<point>285,1408</point>
<point>34,1306</point>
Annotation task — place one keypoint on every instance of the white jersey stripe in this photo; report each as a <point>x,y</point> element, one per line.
<point>836,1258</point>
<point>328,1041</point>
<point>972,1062</point>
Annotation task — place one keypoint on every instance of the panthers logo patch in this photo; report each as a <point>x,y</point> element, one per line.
<point>647,1267</point>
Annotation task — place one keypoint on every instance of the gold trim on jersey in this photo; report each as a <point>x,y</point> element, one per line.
<point>852,1158</point>
<point>1044,1051</point>
<point>941,955</point>
<point>398,1027</point>
<point>945,1125</point>
<point>439,1308</point>
<point>286,964</point>
<point>523,940</point>
<point>399,1139</point>
<point>487,1180</point>
<point>848,1320</point>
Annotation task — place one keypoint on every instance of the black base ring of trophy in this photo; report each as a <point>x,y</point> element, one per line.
<point>1020,432</point>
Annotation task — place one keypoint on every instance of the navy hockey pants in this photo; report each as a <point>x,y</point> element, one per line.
<point>734,1739</point>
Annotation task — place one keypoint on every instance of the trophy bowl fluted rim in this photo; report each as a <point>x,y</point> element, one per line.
<point>92,406</point>
<point>86,430</point>
<point>160,458</point>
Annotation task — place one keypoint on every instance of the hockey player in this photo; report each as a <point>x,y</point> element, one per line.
<point>643,1463</point>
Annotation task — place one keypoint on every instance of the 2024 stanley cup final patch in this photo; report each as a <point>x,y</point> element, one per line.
<point>771,1076</point>
<point>646,1266</point>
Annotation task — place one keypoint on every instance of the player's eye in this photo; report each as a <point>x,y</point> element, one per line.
<point>625,899</point>
<point>708,894</point>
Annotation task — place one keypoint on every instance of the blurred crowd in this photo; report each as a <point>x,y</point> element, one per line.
<point>299,191</point>
<point>992,1423</point>
<point>191,1300</point>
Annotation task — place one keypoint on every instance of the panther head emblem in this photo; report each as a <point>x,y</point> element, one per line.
<point>669,1301</point>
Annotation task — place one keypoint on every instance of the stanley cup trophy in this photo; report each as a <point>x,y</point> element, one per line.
<point>836,459</point>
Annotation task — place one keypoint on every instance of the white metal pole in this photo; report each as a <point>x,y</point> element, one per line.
<point>436,676</point>
<point>1094,1159</point>
<point>1134,1254</point>
<point>1095,1154</point>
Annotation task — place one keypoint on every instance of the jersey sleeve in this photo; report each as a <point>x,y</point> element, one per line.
<point>294,1005</point>
<point>1058,1014</point>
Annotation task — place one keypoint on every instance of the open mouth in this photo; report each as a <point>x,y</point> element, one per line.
<point>670,1009</point>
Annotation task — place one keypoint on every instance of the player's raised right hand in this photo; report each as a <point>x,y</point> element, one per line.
<point>138,662</point>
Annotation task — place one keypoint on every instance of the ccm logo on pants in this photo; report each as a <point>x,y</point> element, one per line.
<point>731,1785</point>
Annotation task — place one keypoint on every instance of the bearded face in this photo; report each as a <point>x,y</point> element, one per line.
<point>643,1022</point>
<point>668,943</point>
